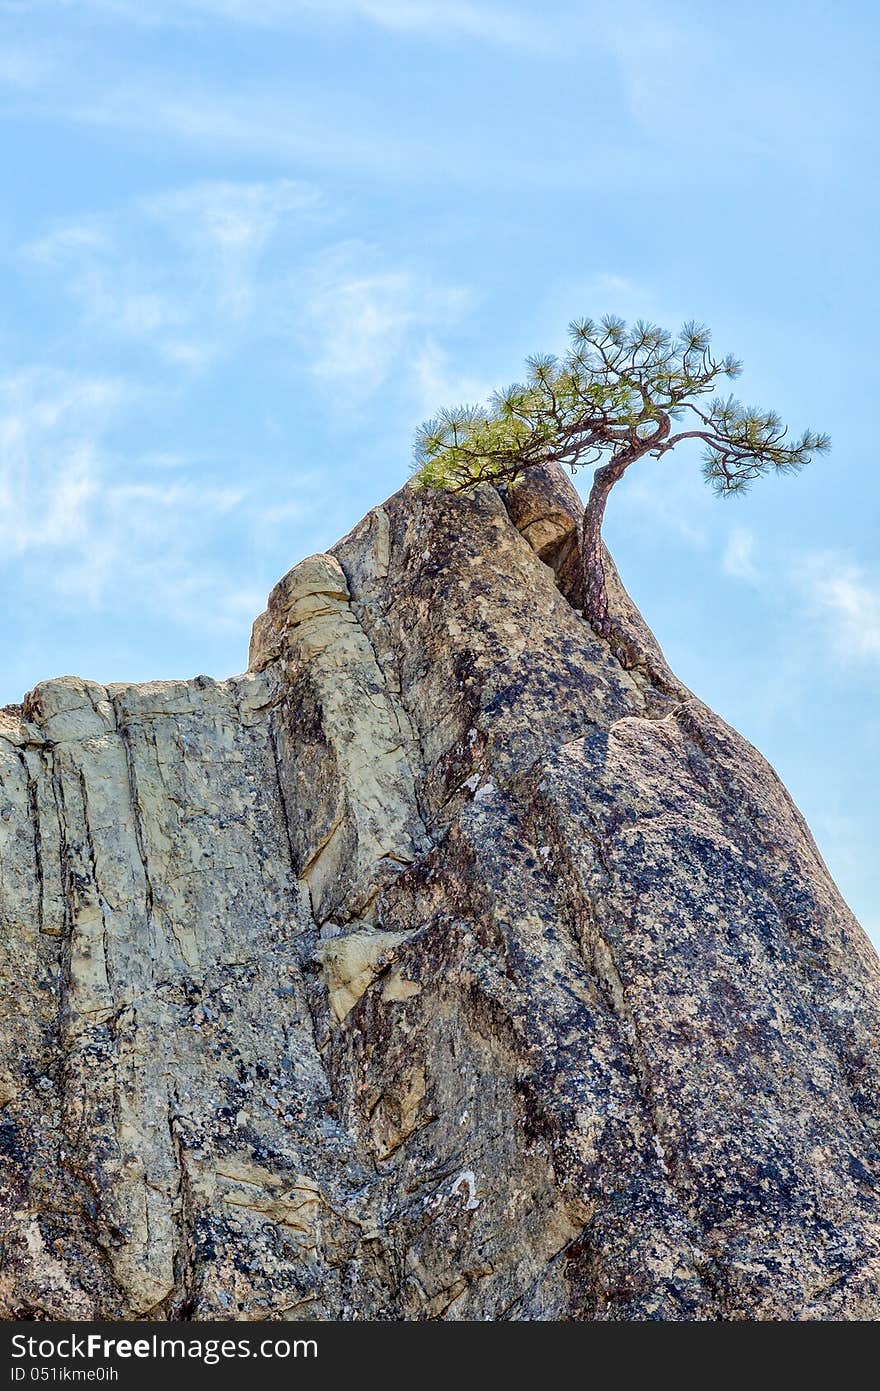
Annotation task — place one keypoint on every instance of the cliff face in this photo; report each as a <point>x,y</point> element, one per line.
<point>436,967</point>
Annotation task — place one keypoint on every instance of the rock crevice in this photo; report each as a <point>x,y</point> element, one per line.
<point>437,967</point>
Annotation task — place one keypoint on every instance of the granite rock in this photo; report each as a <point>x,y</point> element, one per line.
<point>437,967</point>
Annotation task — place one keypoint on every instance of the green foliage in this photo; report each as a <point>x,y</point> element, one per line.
<point>615,394</point>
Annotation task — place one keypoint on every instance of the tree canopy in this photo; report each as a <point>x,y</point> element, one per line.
<point>618,390</point>
<point>619,393</point>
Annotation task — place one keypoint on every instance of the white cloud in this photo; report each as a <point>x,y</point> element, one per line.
<point>847,596</point>
<point>447,20</point>
<point>49,475</point>
<point>192,354</point>
<point>362,321</point>
<point>73,239</point>
<point>96,534</point>
<point>111,297</point>
<point>192,293</point>
<point>438,383</point>
<point>620,286</point>
<point>738,559</point>
<point>732,94</point>
<point>228,218</point>
<point>326,128</point>
<point>24,68</point>
<point>333,127</point>
<point>651,51</point>
<point>113,291</point>
<point>227,227</point>
<point>667,494</point>
<point>236,265</point>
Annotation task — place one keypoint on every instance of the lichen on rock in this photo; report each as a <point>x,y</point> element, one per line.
<point>440,966</point>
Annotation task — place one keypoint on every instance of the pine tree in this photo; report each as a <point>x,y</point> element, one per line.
<point>614,397</point>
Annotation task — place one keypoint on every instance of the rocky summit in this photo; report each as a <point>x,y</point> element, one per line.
<point>438,967</point>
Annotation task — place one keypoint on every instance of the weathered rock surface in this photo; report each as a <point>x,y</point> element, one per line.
<point>435,968</point>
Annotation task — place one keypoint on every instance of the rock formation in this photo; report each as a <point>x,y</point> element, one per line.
<point>437,967</point>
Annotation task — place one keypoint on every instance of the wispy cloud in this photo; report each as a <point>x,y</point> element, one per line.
<point>620,286</point>
<point>438,382</point>
<point>739,555</point>
<point>507,25</point>
<point>846,596</point>
<point>323,129</point>
<point>839,596</point>
<point>333,126</point>
<point>243,263</point>
<point>651,50</point>
<point>229,218</point>
<point>667,496</point>
<point>49,473</point>
<point>444,19</point>
<point>190,293</point>
<point>147,535</point>
<point>761,115</point>
<point>72,239</point>
<point>227,227</point>
<point>24,68</point>
<point>361,321</point>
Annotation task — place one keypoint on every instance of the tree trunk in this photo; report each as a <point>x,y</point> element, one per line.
<point>622,640</point>
<point>595,591</point>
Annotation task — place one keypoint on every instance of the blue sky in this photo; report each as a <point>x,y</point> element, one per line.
<point>249,244</point>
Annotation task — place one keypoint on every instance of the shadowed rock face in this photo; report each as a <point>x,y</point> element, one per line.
<point>435,968</point>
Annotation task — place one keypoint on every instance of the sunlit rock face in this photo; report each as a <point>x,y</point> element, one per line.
<point>437,967</point>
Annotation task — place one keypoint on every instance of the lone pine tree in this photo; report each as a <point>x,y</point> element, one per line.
<point>613,398</point>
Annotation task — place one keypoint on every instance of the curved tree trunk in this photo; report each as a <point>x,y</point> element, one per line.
<point>595,591</point>
<point>623,643</point>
